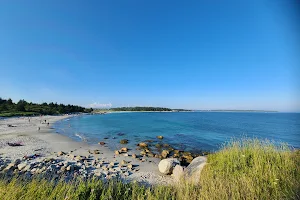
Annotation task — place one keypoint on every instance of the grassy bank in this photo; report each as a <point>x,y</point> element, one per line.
<point>247,169</point>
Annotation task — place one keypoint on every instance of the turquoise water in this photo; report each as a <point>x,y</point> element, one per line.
<point>191,131</point>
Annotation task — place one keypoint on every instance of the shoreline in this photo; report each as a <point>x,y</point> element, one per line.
<point>47,143</point>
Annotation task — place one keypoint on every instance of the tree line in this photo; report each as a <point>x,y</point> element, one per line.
<point>22,107</point>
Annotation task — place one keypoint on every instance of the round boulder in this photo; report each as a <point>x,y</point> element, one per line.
<point>166,166</point>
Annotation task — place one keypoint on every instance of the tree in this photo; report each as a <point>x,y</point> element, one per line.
<point>52,108</point>
<point>3,107</point>
<point>9,101</point>
<point>21,106</point>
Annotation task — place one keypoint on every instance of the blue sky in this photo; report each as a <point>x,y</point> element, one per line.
<point>178,54</point>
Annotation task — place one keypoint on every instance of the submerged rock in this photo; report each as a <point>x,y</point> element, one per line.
<point>124,141</point>
<point>166,166</point>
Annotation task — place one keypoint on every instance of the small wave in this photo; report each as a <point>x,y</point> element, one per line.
<point>81,137</point>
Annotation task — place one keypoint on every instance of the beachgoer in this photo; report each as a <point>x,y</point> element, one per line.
<point>39,128</point>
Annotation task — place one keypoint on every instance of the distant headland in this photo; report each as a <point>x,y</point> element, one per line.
<point>141,109</point>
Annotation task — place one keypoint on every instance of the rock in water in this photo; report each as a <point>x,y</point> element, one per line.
<point>194,169</point>
<point>178,172</point>
<point>160,137</point>
<point>165,153</point>
<point>143,144</point>
<point>166,166</point>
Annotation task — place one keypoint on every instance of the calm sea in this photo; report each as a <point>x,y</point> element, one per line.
<point>184,130</point>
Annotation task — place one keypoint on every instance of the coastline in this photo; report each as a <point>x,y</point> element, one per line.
<point>46,143</point>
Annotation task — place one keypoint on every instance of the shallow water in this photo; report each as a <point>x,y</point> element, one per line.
<point>190,131</point>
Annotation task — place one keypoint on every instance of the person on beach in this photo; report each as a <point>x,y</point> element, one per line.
<point>48,124</point>
<point>39,128</point>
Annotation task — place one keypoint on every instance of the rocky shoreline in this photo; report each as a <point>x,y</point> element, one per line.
<point>60,157</point>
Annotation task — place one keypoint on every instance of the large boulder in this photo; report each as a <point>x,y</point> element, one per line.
<point>166,166</point>
<point>193,170</point>
<point>178,172</point>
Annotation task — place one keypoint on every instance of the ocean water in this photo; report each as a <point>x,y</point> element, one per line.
<point>191,131</point>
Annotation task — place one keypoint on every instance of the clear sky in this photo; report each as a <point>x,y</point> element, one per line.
<point>179,54</point>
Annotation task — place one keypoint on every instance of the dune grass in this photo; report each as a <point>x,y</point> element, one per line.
<point>244,169</point>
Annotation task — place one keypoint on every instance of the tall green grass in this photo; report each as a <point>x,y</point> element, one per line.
<point>244,169</point>
<point>252,169</point>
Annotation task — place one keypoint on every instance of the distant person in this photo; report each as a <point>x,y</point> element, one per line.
<point>48,124</point>
<point>39,128</point>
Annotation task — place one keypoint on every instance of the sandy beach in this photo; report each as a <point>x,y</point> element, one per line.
<point>36,137</point>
